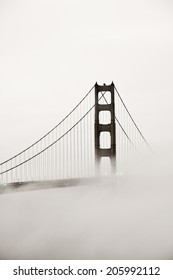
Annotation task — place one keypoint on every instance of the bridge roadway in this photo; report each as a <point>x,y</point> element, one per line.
<point>35,185</point>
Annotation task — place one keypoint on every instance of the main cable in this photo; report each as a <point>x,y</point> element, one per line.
<point>118,121</point>
<point>132,118</point>
<point>50,130</point>
<point>45,149</point>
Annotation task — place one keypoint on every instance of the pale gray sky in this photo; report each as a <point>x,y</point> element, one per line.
<point>53,51</point>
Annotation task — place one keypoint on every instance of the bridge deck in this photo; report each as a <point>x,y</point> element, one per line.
<point>36,185</point>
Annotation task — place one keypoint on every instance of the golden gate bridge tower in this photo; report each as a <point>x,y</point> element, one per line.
<point>109,127</point>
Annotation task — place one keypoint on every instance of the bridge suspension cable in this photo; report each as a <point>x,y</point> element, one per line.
<point>118,121</point>
<point>10,165</point>
<point>49,146</point>
<point>132,118</point>
<point>67,150</point>
<point>49,130</point>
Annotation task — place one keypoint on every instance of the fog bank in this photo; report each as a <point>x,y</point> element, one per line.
<point>127,216</point>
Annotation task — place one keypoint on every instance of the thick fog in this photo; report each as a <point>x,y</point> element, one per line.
<point>127,216</point>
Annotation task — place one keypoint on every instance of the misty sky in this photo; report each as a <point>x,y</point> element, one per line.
<point>53,51</point>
